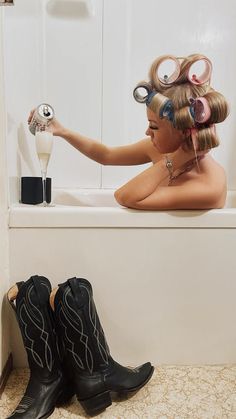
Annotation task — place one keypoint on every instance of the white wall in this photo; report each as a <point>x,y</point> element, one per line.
<point>135,33</point>
<point>4,256</point>
<point>56,58</point>
<point>84,57</point>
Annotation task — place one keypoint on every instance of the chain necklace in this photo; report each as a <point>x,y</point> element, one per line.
<point>187,168</point>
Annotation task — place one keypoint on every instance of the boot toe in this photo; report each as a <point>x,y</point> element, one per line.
<point>125,380</point>
<point>144,374</point>
<point>146,368</point>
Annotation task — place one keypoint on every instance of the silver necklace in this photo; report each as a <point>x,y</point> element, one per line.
<point>187,168</point>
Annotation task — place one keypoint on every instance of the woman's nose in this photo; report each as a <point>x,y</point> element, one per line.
<point>148,131</point>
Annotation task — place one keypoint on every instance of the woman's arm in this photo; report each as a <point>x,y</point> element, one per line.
<point>144,191</point>
<point>138,153</point>
<point>191,195</point>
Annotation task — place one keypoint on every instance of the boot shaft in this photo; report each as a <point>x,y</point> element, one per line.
<point>95,374</point>
<point>36,322</point>
<point>48,384</point>
<point>79,324</point>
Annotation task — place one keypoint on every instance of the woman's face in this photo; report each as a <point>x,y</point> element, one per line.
<point>164,136</point>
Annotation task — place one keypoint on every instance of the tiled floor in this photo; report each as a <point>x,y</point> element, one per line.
<point>205,392</point>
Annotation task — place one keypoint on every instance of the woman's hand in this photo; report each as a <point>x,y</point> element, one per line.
<point>54,126</point>
<point>31,115</point>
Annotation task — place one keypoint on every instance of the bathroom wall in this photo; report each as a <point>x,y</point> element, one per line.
<point>4,265</point>
<point>84,57</point>
<point>54,55</point>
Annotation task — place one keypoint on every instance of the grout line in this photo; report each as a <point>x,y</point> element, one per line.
<point>102,89</point>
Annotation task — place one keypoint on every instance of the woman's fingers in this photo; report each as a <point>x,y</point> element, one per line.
<point>30,115</point>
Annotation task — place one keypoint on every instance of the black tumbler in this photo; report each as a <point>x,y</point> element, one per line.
<point>32,190</point>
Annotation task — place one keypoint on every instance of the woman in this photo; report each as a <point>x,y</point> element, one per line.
<point>182,109</point>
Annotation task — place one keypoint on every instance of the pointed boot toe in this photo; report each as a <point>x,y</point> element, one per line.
<point>143,375</point>
<point>95,374</point>
<point>123,380</point>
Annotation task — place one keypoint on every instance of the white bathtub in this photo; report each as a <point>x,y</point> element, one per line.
<point>164,282</point>
<point>98,208</point>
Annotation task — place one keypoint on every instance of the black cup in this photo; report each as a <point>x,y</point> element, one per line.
<point>32,190</point>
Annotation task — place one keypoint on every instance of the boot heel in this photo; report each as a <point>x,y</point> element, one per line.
<point>97,403</point>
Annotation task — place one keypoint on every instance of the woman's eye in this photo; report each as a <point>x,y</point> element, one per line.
<point>153,128</point>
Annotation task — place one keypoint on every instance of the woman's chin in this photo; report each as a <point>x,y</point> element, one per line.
<point>155,145</point>
<point>160,150</point>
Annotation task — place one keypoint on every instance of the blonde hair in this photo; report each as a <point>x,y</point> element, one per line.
<point>180,89</point>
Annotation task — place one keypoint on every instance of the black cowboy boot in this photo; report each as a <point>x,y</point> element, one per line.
<point>96,374</point>
<point>48,385</point>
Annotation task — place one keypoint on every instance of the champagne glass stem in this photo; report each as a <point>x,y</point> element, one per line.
<point>44,177</point>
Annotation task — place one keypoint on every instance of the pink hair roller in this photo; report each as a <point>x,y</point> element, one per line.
<point>202,111</point>
<point>204,77</point>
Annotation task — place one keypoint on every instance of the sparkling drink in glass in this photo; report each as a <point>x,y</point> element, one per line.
<point>44,144</point>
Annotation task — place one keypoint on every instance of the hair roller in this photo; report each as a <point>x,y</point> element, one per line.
<point>167,110</point>
<point>166,80</point>
<point>200,109</point>
<point>183,118</point>
<point>218,106</point>
<point>203,77</point>
<point>142,87</point>
<point>161,106</point>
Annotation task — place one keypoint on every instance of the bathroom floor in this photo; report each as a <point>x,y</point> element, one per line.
<point>174,392</point>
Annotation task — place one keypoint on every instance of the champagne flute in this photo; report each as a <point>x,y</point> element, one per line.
<point>44,143</point>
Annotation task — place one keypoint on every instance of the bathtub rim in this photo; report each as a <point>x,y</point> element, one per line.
<point>63,216</point>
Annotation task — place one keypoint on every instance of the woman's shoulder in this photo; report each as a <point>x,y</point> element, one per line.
<point>208,180</point>
<point>212,176</point>
<point>212,170</point>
